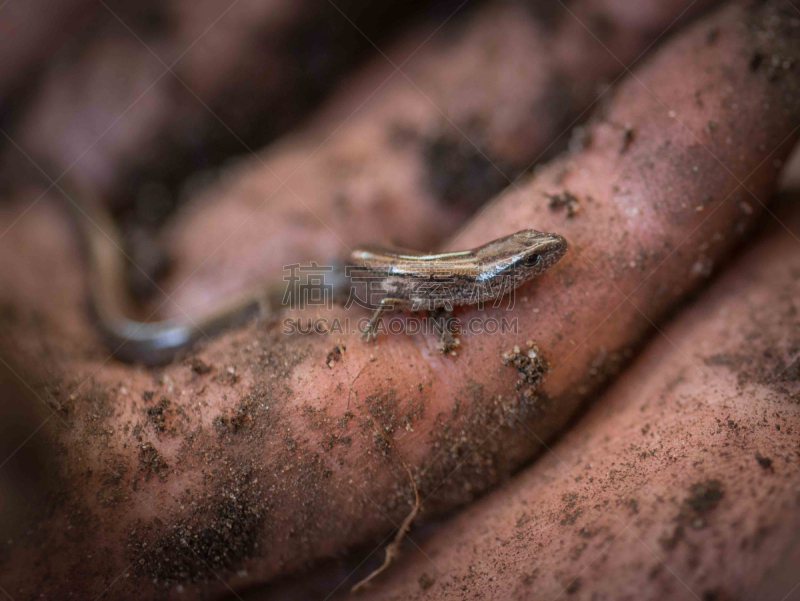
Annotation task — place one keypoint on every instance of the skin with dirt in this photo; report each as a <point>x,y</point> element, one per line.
<point>400,169</point>
<point>657,492</point>
<point>217,66</point>
<point>263,457</point>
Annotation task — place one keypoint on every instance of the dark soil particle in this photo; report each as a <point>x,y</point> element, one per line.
<point>112,491</point>
<point>765,462</point>
<point>573,586</point>
<point>198,366</point>
<point>704,497</point>
<point>335,355</point>
<point>627,138</point>
<point>714,594</point>
<point>531,367</point>
<point>756,58</point>
<point>670,540</point>
<point>776,27</point>
<point>235,421</point>
<point>426,581</point>
<point>565,200</point>
<point>157,414</point>
<point>151,462</point>
<point>385,411</point>
<point>571,511</point>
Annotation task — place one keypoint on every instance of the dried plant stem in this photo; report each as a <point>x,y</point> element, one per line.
<point>392,550</point>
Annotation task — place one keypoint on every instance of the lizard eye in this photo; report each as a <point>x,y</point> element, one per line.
<point>531,260</point>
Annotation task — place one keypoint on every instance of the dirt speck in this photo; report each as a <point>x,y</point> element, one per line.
<point>712,595</point>
<point>426,581</point>
<point>571,510</point>
<point>335,355</point>
<point>755,60</point>
<point>564,200</point>
<point>765,462</point>
<point>157,414</point>
<point>531,367</point>
<point>670,539</point>
<point>704,496</point>
<point>198,366</point>
<point>573,586</point>
<point>627,138</point>
<point>151,462</point>
<point>234,421</point>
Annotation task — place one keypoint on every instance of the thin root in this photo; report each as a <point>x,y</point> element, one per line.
<point>393,548</point>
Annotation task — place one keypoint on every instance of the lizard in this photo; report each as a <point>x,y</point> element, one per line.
<point>400,279</point>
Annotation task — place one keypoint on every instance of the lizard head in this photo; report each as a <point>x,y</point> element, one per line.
<point>533,252</point>
<point>522,255</point>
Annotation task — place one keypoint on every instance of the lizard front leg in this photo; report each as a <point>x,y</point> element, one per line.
<point>386,304</point>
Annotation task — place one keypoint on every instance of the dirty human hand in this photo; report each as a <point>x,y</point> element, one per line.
<point>261,456</point>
